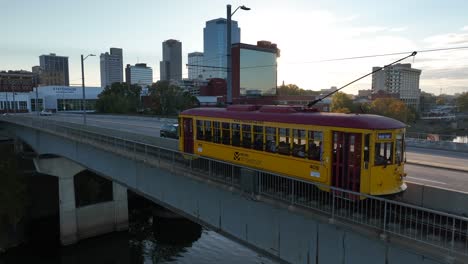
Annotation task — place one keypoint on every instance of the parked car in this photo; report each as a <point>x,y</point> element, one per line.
<point>170,131</point>
<point>45,113</point>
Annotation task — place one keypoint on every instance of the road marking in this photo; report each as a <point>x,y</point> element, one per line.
<point>118,123</point>
<point>425,180</point>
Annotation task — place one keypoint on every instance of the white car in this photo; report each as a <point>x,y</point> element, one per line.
<point>45,113</point>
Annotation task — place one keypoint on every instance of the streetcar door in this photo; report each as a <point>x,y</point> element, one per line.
<point>188,135</point>
<point>346,160</point>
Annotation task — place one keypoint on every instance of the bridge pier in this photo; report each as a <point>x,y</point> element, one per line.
<point>88,221</point>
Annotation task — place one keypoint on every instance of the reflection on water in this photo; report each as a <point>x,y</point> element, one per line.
<point>149,240</point>
<point>461,139</point>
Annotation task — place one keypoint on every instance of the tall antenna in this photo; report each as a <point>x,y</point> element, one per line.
<point>362,77</point>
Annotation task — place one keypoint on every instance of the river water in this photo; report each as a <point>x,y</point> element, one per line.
<point>461,139</point>
<point>148,240</point>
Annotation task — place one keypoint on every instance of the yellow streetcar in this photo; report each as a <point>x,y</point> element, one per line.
<point>358,152</point>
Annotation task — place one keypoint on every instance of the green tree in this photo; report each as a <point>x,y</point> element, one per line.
<point>168,99</point>
<point>185,101</point>
<point>119,98</point>
<point>341,103</point>
<point>462,102</point>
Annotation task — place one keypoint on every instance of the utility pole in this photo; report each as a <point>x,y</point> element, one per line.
<point>83,88</point>
<point>6,94</point>
<point>228,50</point>
<point>228,56</point>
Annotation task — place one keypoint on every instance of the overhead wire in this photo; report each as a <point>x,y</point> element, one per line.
<point>225,69</point>
<point>336,59</point>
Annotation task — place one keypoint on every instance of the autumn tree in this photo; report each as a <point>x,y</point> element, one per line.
<point>119,98</point>
<point>462,102</point>
<point>440,100</point>
<point>292,89</point>
<point>394,108</point>
<point>341,103</point>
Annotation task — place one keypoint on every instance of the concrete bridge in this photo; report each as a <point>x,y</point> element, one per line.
<point>282,217</point>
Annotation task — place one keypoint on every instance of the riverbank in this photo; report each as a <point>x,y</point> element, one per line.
<point>443,127</point>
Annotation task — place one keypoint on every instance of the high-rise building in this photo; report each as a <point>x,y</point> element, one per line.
<point>14,88</point>
<point>399,79</point>
<point>171,65</point>
<point>214,47</point>
<point>248,80</point>
<point>111,67</point>
<point>17,81</point>
<point>54,70</point>
<point>195,62</point>
<point>139,74</point>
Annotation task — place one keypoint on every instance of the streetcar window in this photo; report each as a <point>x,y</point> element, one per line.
<point>246,136</point>
<point>258,137</point>
<point>366,150</point>
<point>235,134</point>
<point>200,130</point>
<point>284,141</point>
<point>399,150</point>
<point>208,136</point>
<point>352,141</point>
<point>216,132</point>
<point>299,143</point>
<point>383,153</point>
<point>314,145</point>
<point>270,145</point>
<point>226,134</point>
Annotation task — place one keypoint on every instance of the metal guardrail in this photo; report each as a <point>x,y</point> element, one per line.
<point>445,231</point>
<point>437,137</point>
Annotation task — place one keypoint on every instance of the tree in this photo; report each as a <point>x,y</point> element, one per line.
<point>462,102</point>
<point>341,103</point>
<point>169,99</point>
<point>440,100</point>
<point>292,89</point>
<point>394,108</point>
<point>119,98</point>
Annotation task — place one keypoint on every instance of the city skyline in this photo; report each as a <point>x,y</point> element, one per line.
<point>305,32</point>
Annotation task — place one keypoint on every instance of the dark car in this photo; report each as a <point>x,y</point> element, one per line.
<point>170,131</point>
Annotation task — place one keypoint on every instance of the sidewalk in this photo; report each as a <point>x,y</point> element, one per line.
<point>438,165</point>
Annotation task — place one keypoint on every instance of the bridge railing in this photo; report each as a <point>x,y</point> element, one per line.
<point>445,231</point>
<point>432,137</point>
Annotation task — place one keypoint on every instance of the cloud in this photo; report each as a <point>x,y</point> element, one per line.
<point>465,28</point>
<point>398,29</point>
<point>448,74</point>
<point>330,36</point>
<point>359,31</point>
<point>349,18</point>
<point>447,40</point>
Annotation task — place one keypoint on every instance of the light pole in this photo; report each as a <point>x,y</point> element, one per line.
<point>228,50</point>
<point>83,86</point>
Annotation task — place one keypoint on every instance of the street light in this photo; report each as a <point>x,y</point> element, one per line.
<point>228,50</point>
<point>83,86</point>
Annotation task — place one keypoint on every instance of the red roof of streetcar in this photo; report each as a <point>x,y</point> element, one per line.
<point>293,115</point>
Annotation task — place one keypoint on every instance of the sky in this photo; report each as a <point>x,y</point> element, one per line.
<point>306,31</point>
